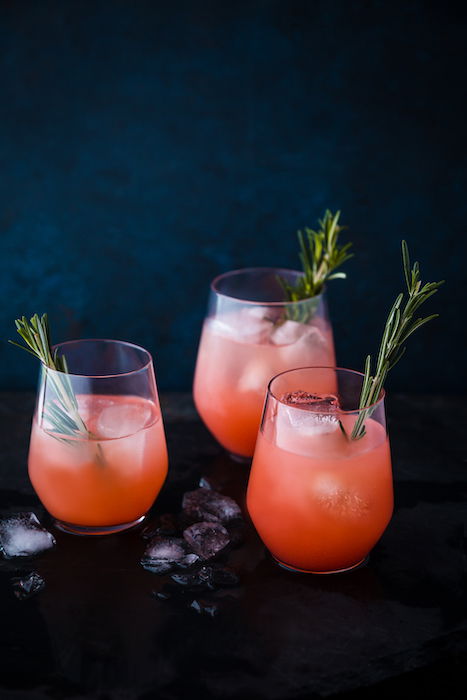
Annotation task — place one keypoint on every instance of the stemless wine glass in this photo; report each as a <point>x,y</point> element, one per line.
<point>250,334</point>
<point>319,499</point>
<point>98,456</point>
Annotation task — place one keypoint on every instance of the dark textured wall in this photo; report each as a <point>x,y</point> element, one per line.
<point>147,146</point>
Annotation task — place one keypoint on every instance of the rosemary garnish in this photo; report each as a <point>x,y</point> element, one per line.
<point>320,255</point>
<point>62,413</point>
<point>400,325</point>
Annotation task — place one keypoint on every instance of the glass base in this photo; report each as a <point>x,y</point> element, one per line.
<point>358,565</point>
<point>239,458</point>
<point>98,529</point>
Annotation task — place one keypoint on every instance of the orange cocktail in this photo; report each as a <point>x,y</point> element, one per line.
<point>249,335</point>
<point>98,456</point>
<point>319,500</point>
<point>111,479</point>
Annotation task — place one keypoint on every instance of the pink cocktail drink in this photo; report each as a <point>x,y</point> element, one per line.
<point>109,480</point>
<point>244,344</point>
<point>319,500</point>
<point>98,456</point>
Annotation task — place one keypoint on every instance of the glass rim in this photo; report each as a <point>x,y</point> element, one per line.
<point>373,405</point>
<point>148,363</point>
<point>278,270</point>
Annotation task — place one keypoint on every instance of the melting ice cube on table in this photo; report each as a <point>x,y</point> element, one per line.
<point>207,539</point>
<point>123,419</point>
<point>167,524</point>
<point>22,535</point>
<point>209,505</point>
<point>205,607</point>
<point>207,578</point>
<point>164,554</point>
<point>26,586</point>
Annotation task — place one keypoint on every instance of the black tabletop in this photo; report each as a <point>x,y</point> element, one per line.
<point>97,630</point>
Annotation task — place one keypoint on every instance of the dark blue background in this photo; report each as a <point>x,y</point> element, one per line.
<point>147,146</point>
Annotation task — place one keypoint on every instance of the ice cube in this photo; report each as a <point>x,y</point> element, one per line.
<point>255,376</point>
<point>207,539</point>
<point>26,586</point>
<point>308,424</point>
<point>22,535</point>
<point>164,554</point>
<point>310,414</point>
<point>167,524</point>
<point>289,332</point>
<point>310,347</point>
<point>249,325</point>
<point>205,607</point>
<point>209,505</point>
<point>123,419</point>
<point>337,498</point>
<point>207,578</point>
<point>166,592</point>
<point>205,483</point>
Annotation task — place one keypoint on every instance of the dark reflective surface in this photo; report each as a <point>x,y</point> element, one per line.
<point>97,629</point>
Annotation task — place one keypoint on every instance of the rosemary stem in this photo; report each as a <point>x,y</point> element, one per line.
<point>400,324</point>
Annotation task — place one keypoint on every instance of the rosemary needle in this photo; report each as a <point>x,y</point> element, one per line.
<point>320,255</point>
<point>62,413</point>
<point>400,324</point>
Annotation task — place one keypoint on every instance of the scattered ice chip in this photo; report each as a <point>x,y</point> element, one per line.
<point>205,607</point>
<point>22,535</point>
<point>196,580</point>
<point>166,592</point>
<point>207,578</point>
<point>169,548</point>
<point>166,524</point>
<point>123,419</point>
<point>205,483</point>
<point>249,325</point>
<point>207,539</point>
<point>26,586</point>
<point>164,554</point>
<point>337,498</point>
<point>209,505</point>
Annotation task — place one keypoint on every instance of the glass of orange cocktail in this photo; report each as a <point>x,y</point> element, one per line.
<point>251,333</point>
<point>98,456</point>
<point>319,499</point>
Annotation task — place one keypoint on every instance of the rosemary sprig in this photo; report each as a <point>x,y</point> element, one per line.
<point>400,325</point>
<point>320,255</point>
<point>62,414</point>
